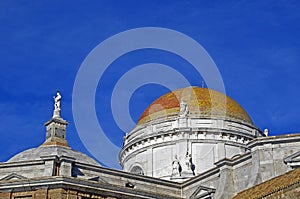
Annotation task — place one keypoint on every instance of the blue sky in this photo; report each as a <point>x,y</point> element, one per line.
<point>255,45</point>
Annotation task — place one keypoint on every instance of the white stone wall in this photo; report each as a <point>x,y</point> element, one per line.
<point>203,156</point>
<point>162,161</point>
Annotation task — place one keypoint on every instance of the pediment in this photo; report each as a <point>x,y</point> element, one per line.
<point>293,160</point>
<point>203,193</point>
<point>97,179</point>
<point>13,176</point>
<point>94,178</point>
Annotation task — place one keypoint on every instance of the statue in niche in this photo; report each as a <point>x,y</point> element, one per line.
<point>177,169</point>
<point>183,109</point>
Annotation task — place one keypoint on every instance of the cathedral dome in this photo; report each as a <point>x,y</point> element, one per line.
<point>201,103</point>
<point>192,127</point>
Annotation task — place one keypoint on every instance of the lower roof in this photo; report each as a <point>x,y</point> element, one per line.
<point>272,186</point>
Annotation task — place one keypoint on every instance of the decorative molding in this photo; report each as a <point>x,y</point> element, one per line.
<point>203,193</point>
<point>293,160</point>
<point>12,176</point>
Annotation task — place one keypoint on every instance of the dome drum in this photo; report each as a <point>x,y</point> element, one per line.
<point>191,124</point>
<point>233,139</point>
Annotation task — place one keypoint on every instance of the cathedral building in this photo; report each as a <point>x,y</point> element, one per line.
<point>190,143</point>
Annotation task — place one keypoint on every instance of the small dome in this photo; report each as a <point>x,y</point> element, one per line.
<point>201,103</point>
<point>39,152</point>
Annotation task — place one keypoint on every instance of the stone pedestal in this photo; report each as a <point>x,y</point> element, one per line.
<point>56,113</point>
<point>182,122</point>
<point>56,132</point>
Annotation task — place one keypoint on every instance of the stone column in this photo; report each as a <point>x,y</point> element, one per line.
<point>220,151</point>
<point>149,157</point>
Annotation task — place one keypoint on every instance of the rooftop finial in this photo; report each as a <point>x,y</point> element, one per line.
<point>57,99</point>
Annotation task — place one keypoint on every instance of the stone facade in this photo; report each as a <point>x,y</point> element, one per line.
<point>57,193</point>
<point>228,178</point>
<point>263,161</point>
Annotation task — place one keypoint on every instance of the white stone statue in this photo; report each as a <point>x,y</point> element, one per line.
<point>57,100</point>
<point>183,109</point>
<point>188,160</point>
<point>176,167</point>
<point>266,132</point>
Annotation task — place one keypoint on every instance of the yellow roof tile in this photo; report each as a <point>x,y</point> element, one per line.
<point>201,102</point>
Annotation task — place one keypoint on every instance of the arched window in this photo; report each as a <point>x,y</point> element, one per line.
<point>137,170</point>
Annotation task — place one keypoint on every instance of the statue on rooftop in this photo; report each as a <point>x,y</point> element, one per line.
<point>176,167</point>
<point>266,132</point>
<point>57,100</point>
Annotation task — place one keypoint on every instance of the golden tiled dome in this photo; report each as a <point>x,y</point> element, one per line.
<point>201,103</point>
